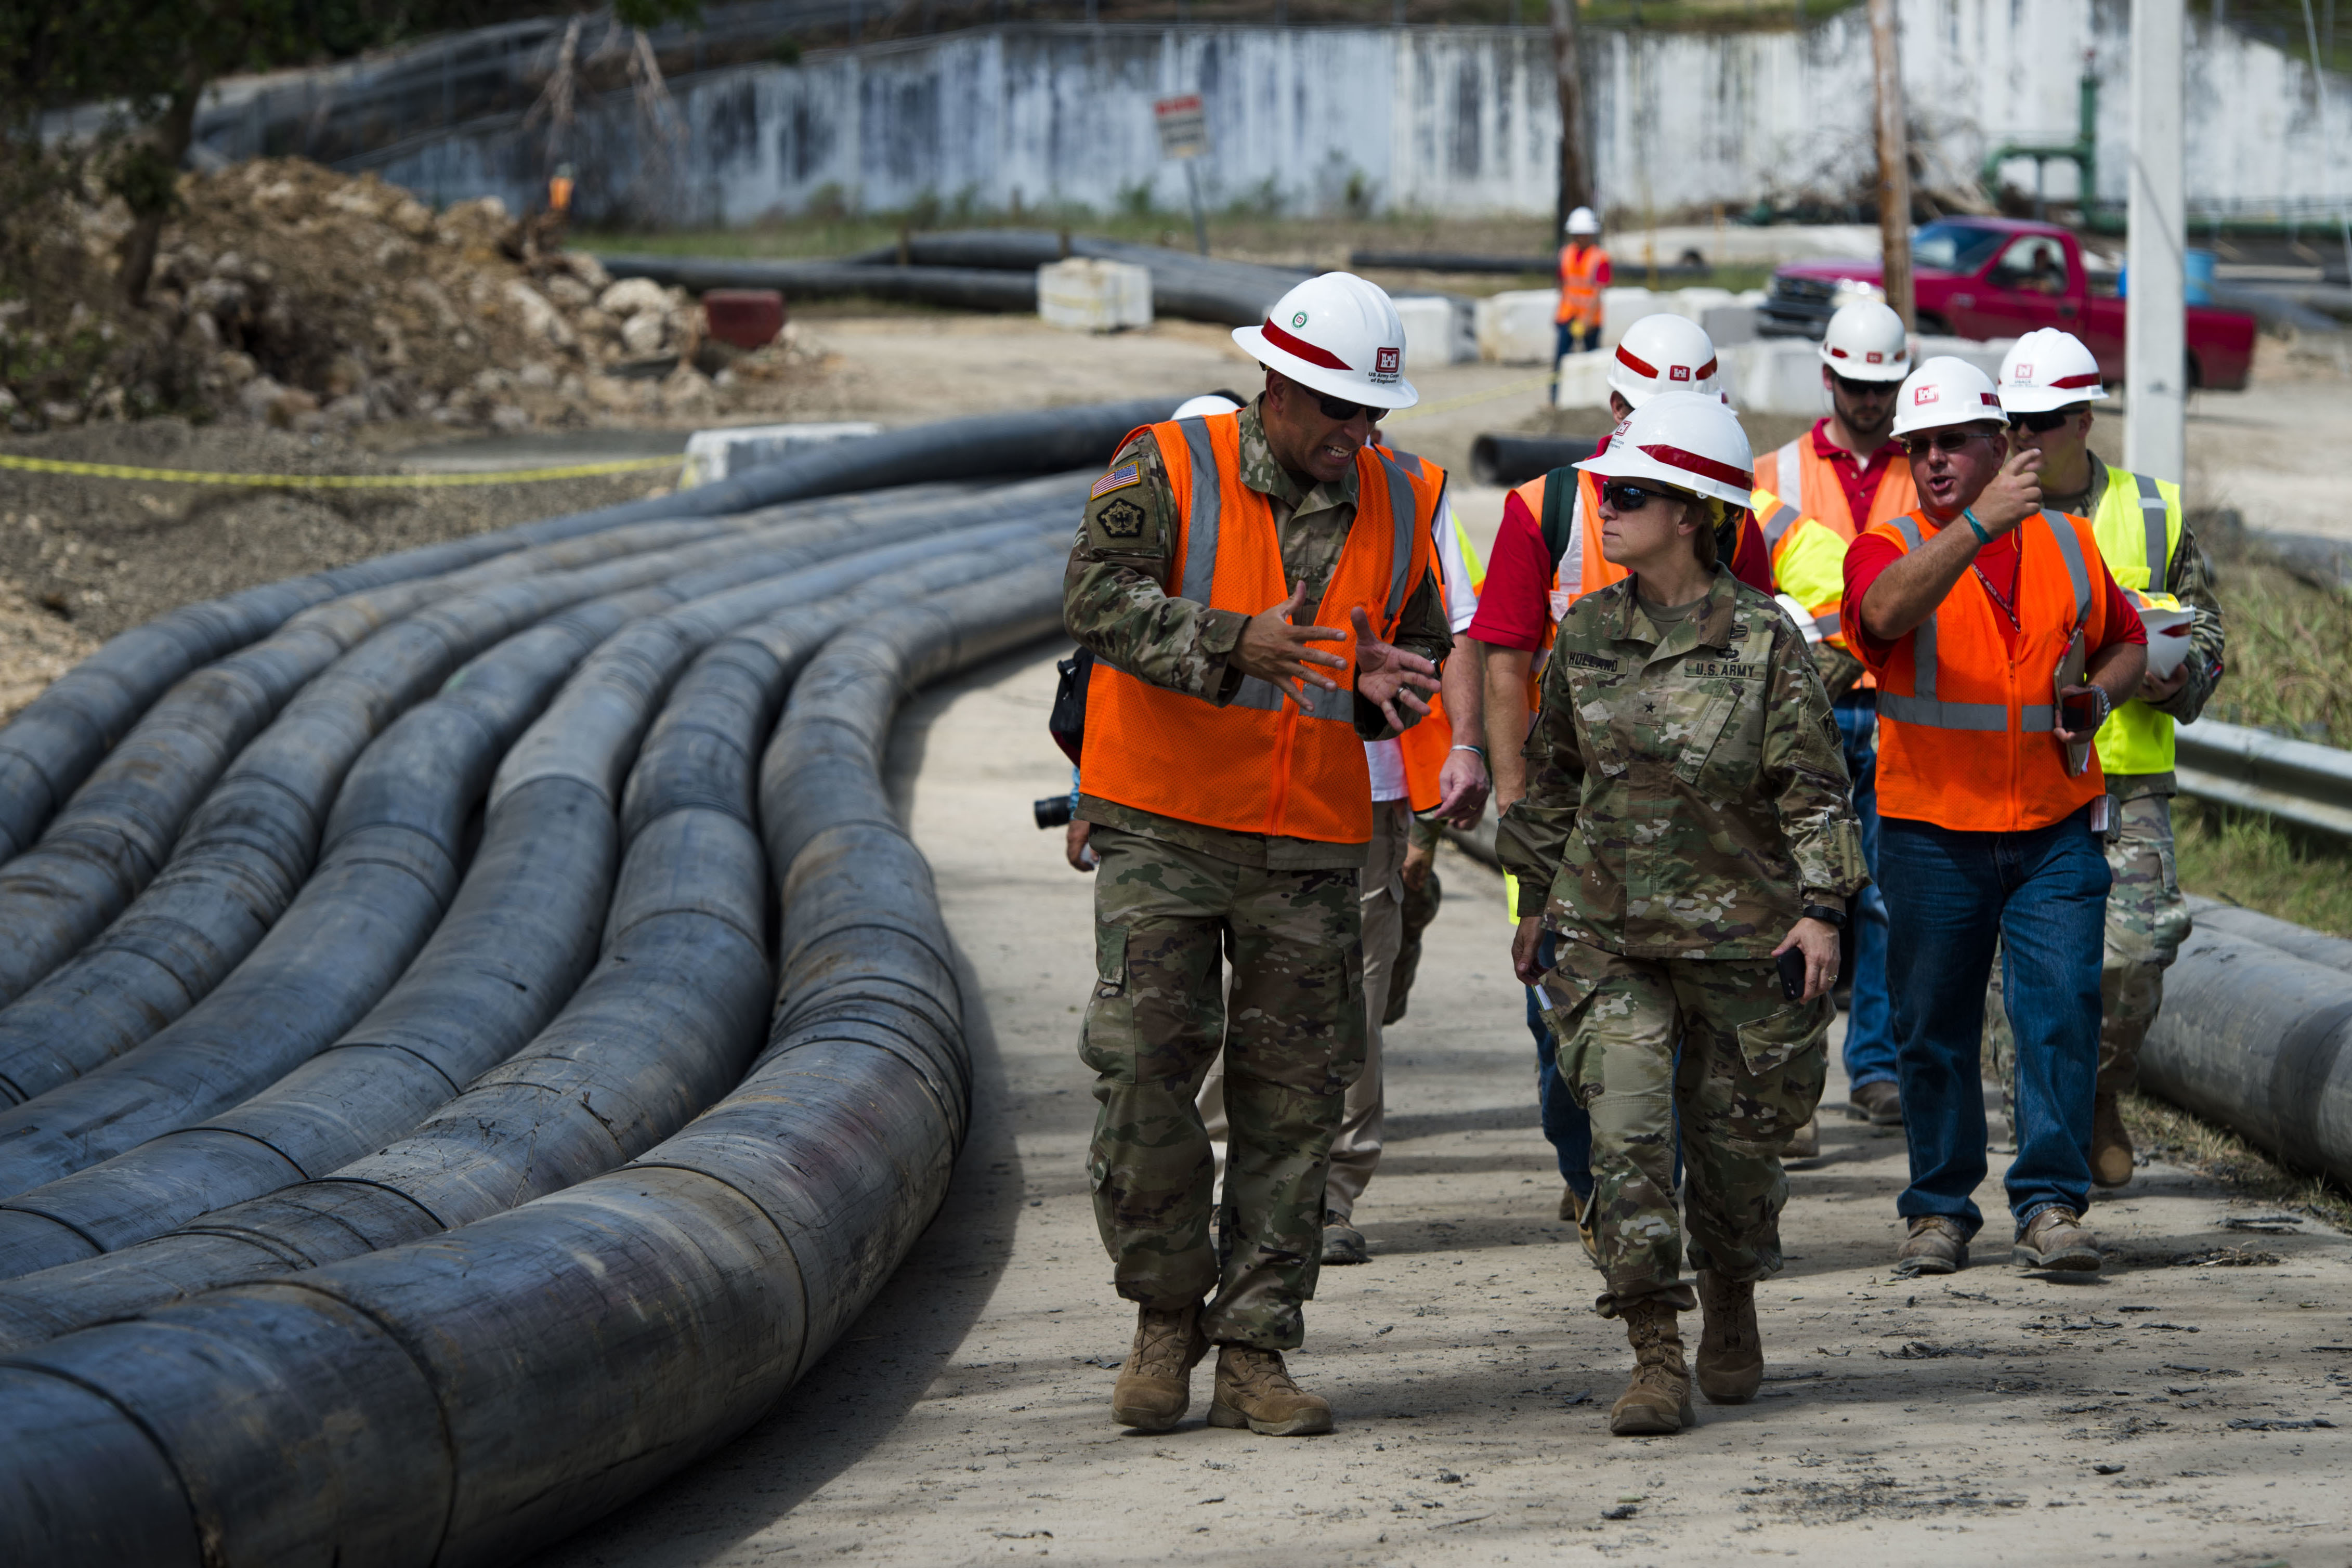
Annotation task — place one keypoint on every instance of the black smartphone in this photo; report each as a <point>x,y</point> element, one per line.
<point>1793,974</point>
<point>2078,714</point>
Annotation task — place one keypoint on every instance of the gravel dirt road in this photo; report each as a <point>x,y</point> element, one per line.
<point>2172,1410</point>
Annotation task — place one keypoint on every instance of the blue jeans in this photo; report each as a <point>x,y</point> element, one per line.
<point>1565,338</point>
<point>2044,894</point>
<point>1869,1018</point>
<point>1565,1127</point>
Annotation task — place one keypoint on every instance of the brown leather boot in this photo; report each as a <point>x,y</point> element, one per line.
<point>2111,1144</point>
<point>1255,1390</point>
<point>1657,1403</point>
<point>1730,1366</point>
<point>1155,1387</point>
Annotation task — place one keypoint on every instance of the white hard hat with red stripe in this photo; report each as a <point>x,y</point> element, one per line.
<point>1865,342</point>
<point>1943,392</point>
<point>1686,440</point>
<point>1662,354</point>
<point>1339,335</point>
<point>2048,370</point>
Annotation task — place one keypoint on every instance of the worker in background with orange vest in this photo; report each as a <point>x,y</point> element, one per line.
<point>1848,473</point>
<point>1548,554</point>
<point>2001,643</point>
<point>1260,595</point>
<point>1583,273</point>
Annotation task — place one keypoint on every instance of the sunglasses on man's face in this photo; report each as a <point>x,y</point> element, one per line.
<point>1941,441</point>
<point>1342,410</point>
<point>2039,424</point>
<point>1623,496</point>
<point>1854,388</point>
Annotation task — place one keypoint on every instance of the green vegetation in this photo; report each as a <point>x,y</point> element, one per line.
<point>2248,859</point>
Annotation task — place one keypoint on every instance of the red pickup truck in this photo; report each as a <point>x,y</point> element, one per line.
<point>1992,278</point>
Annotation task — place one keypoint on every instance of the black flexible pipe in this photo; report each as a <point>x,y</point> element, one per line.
<point>1498,458</point>
<point>464,1400</point>
<point>956,288</point>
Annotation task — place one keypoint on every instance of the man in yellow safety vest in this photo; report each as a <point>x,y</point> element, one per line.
<point>2047,386</point>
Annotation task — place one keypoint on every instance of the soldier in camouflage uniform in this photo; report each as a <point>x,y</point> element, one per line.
<point>1172,896</point>
<point>2148,918</point>
<point>1687,818</point>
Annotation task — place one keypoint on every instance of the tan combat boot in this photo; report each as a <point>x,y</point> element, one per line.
<point>1805,1142</point>
<point>2057,1239</point>
<point>1155,1387</point>
<point>1730,1366</point>
<point>2111,1144</point>
<point>1657,1403</point>
<point>1255,1390</point>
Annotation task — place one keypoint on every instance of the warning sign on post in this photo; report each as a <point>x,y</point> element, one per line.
<point>1183,133</point>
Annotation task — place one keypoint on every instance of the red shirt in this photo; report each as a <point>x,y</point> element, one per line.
<point>1515,605</point>
<point>1858,479</point>
<point>1872,553</point>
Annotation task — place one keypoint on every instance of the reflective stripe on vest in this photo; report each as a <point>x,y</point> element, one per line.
<point>1266,762</point>
<point>2137,528</point>
<point>1965,700</point>
<point>1925,708</point>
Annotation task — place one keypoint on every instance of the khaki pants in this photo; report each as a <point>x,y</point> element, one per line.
<point>1356,1150</point>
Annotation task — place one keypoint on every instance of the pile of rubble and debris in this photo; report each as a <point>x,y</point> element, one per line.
<point>287,294</point>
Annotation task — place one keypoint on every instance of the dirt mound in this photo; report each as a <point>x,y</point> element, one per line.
<point>287,294</point>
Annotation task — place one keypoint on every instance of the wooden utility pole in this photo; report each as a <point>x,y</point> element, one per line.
<point>2156,343</point>
<point>1894,161</point>
<point>1575,164</point>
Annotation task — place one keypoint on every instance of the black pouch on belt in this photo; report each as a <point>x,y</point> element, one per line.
<point>1067,723</point>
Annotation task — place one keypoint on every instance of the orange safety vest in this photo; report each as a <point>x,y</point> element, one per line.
<point>1820,497</point>
<point>1262,763</point>
<point>1580,285</point>
<point>1965,720</point>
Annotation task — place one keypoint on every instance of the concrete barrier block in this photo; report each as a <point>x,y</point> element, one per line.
<point>1431,337</point>
<point>715,455</point>
<point>1515,327</point>
<point>1584,380</point>
<point>1083,295</point>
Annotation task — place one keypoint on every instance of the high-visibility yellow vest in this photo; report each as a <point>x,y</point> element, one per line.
<point>2137,528</point>
<point>1808,562</point>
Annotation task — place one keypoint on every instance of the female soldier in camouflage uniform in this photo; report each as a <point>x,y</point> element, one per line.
<point>1687,819</point>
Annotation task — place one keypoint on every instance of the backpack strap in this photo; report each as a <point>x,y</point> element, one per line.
<point>1559,511</point>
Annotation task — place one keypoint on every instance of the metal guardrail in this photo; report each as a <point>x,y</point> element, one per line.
<point>2295,781</point>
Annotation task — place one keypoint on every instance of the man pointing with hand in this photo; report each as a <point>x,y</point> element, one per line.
<point>1259,593</point>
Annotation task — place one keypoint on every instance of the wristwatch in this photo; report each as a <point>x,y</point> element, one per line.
<point>1826,915</point>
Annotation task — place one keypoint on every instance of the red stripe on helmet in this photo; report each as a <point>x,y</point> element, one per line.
<point>2090,378</point>
<point>1304,349</point>
<point>1707,369</point>
<point>1706,468</point>
<point>1637,366</point>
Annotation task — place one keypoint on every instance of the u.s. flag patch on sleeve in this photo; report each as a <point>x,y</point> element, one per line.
<point>1117,479</point>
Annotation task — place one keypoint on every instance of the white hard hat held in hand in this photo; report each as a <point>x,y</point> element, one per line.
<point>1582,221</point>
<point>1865,342</point>
<point>1662,354</point>
<point>1943,392</point>
<point>2047,370</point>
<point>1339,335</point>
<point>1684,440</point>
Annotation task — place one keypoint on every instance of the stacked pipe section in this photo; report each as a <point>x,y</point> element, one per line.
<point>460,1057</point>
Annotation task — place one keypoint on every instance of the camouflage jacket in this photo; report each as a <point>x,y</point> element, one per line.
<point>1115,601</point>
<point>1685,793</point>
<point>2188,577</point>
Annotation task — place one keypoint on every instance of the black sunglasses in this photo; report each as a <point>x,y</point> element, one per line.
<point>1624,497</point>
<point>1341,410</point>
<point>1854,388</point>
<point>2039,424</point>
<point>1941,441</point>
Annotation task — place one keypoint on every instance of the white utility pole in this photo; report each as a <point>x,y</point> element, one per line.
<point>2156,335</point>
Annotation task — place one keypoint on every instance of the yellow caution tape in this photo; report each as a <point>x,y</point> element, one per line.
<point>1466,399</point>
<point>334,482</point>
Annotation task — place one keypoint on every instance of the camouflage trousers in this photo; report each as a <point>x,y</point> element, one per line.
<point>1751,1072</point>
<point>1292,1035</point>
<point>2147,920</point>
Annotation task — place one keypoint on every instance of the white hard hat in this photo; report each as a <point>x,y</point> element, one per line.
<point>1684,439</point>
<point>1662,354</point>
<point>1339,335</point>
<point>2047,370</point>
<point>1208,403</point>
<point>1865,342</point>
<point>1582,221</point>
<point>1944,391</point>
